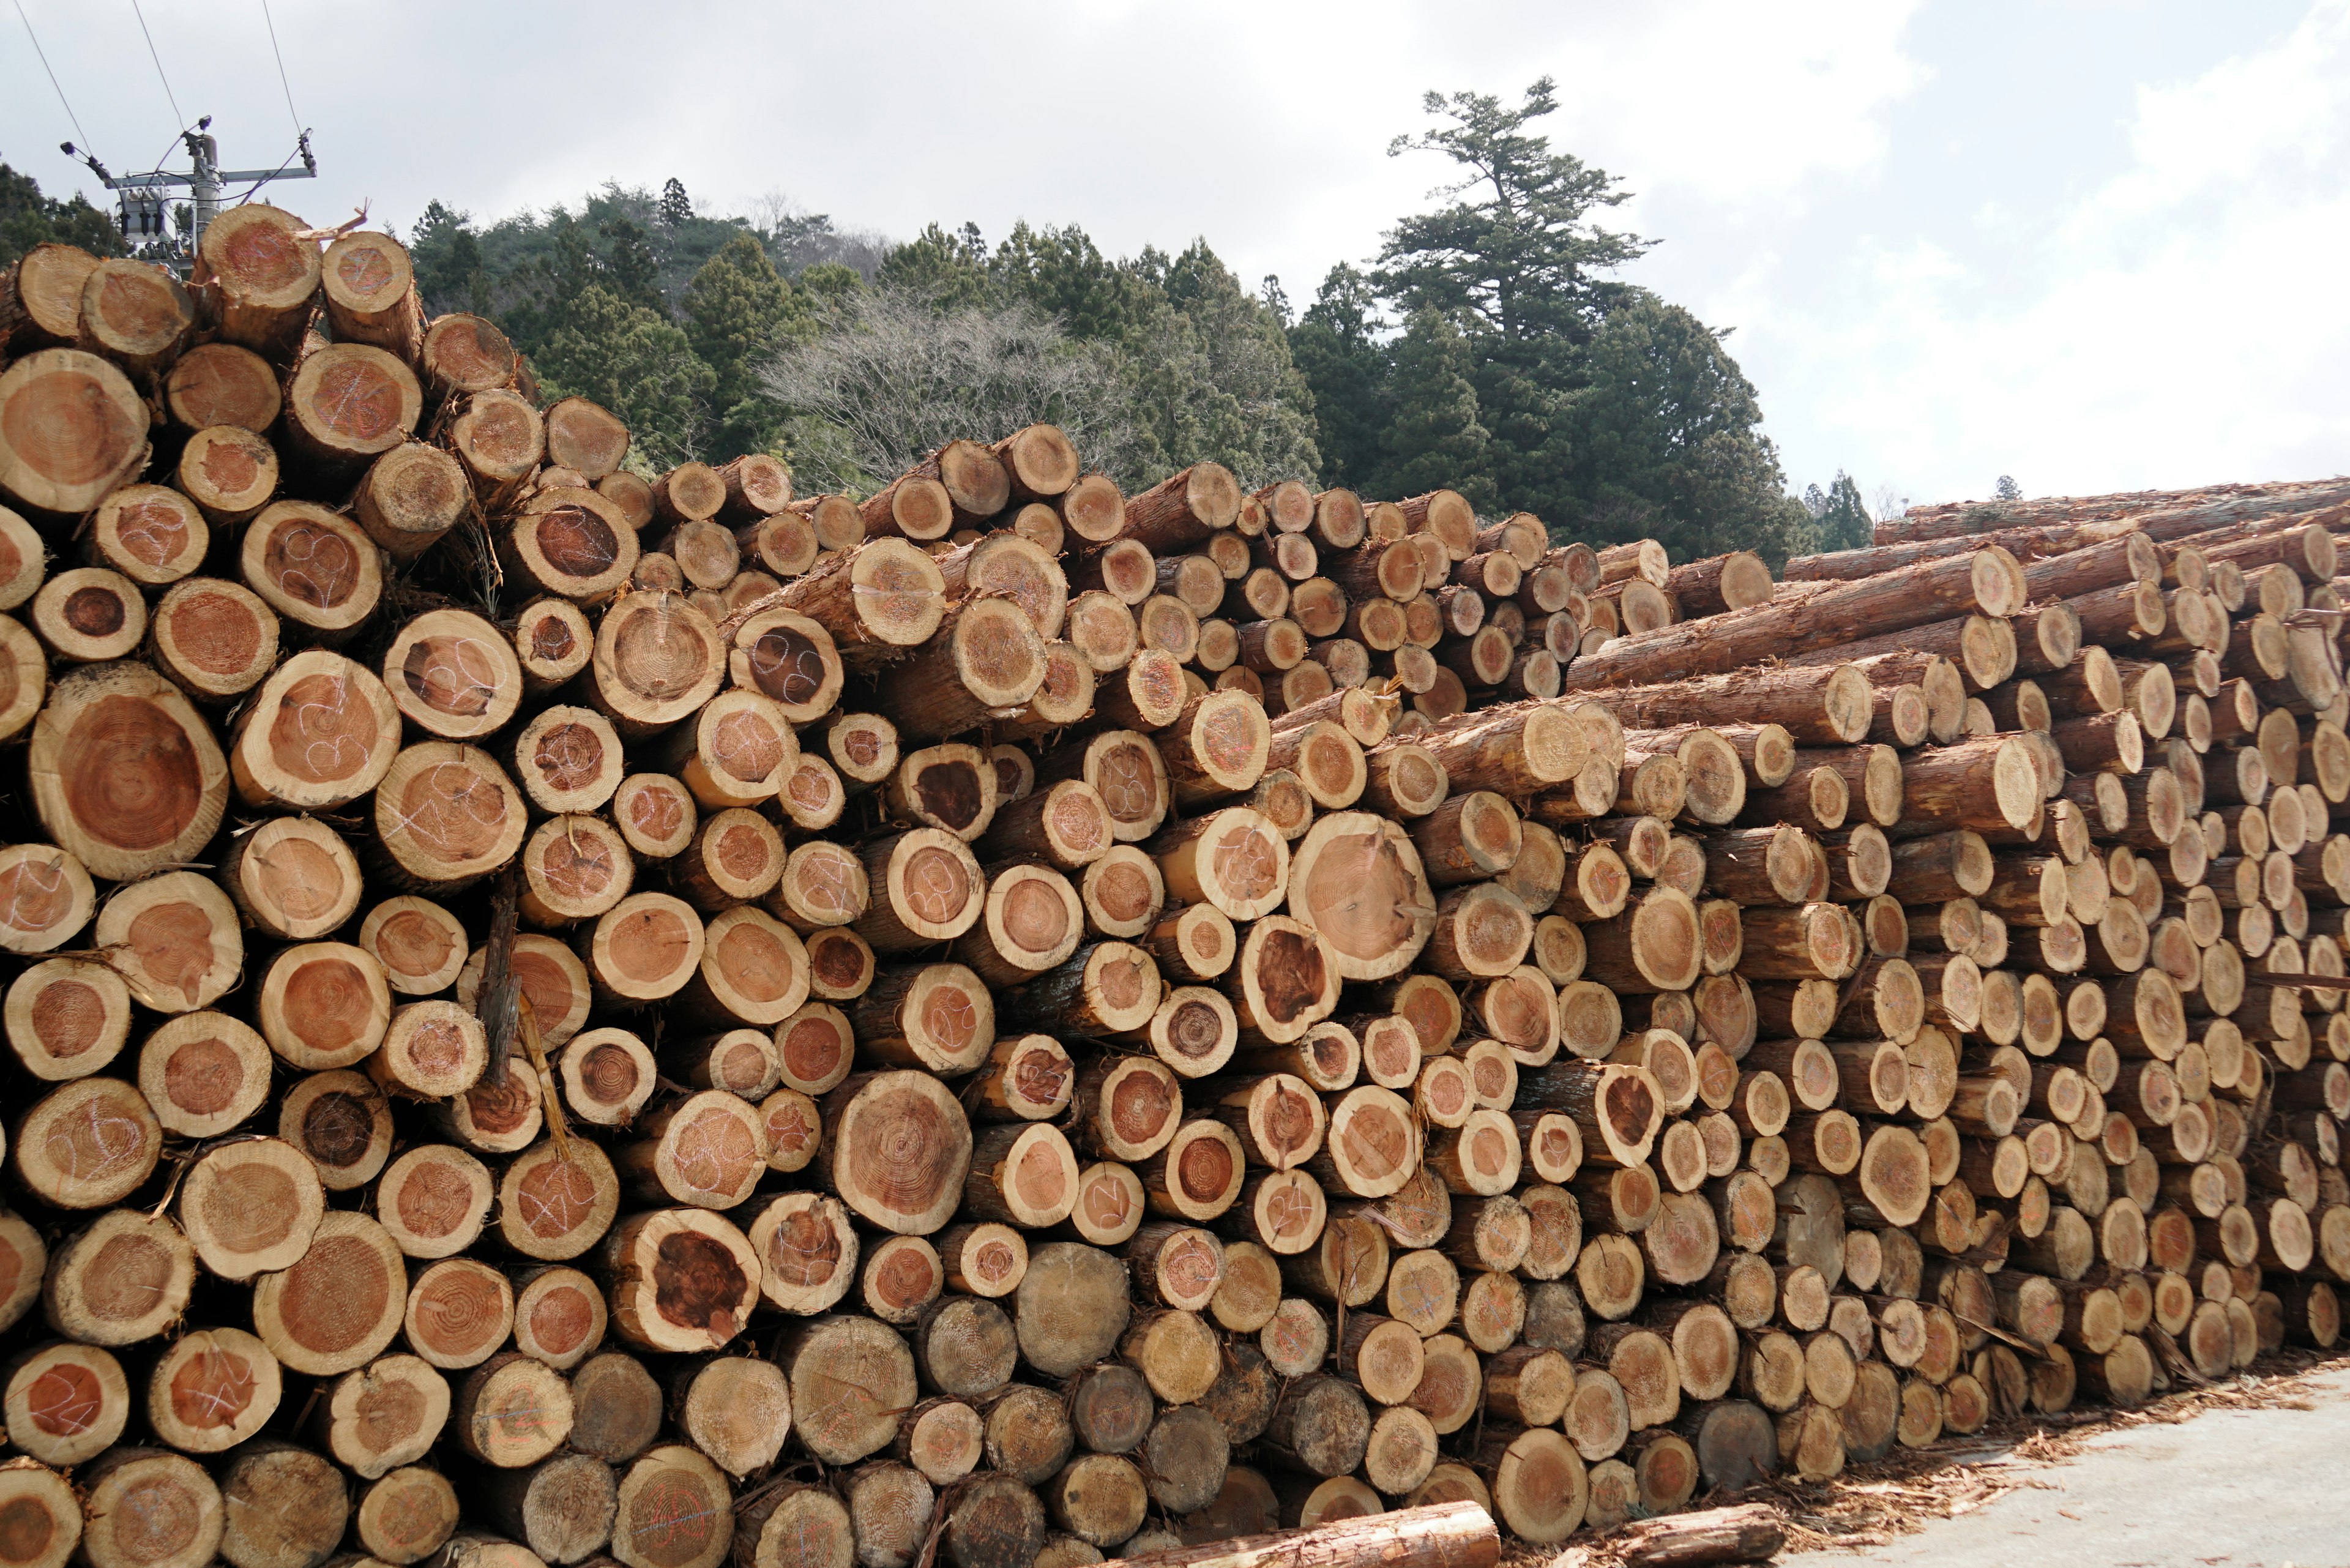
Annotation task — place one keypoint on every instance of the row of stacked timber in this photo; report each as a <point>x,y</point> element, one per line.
<point>557,1017</point>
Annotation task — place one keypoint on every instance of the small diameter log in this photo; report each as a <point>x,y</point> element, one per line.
<point>459,1311</point>
<point>324,1005</point>
<point>682,1279</point>
<point>65,1403</point>
<point>293,877</point>
<point>561,1508</point>
<point>1285,981</point>
<point>340,1304</point>
<point>214,1388</point>
<point>672,1511</point>
<point>1218,745</point>
<point>1021,1174</point>
<point>213,640</point>
<point>707,1151</point>
<point>1236,859</point>
<point>122,1492</point>
<point>251,1207</point>
<point>144,533</point>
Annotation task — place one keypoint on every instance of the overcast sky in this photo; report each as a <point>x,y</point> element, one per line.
<point>2097,245</point>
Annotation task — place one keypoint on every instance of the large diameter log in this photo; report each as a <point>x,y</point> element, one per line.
<point>126,776</point>
<point>986,665</point>
<point>72,428</point>
<point>897,1146</point>
<point>1285,981</point>
<point>1519,749</point>
<point>1233,858</point>
<point>657,660</point>
<point>681,1280</point>
<point>1618,1108</point>
<point>1988,582</point>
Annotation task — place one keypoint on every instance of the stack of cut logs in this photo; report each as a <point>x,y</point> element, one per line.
<point>556,1018</point>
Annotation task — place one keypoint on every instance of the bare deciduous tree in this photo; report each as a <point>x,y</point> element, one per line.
<point>894,379</point>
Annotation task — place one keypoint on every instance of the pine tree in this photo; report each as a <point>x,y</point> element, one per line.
<point>951,269</point>
<point>738,312</point>
<point>675,209</point>
<point>447,254</point>
<point>631,270</point>
<point>1843,517</point>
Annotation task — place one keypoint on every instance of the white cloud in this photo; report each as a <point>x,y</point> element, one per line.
<point>2177,324</point>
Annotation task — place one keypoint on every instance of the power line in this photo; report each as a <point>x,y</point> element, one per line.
<point>52,75</point>
<point>168,96</point>
<point>281,82</point>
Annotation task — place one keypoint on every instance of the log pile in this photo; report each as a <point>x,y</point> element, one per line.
<point>557,1017</point>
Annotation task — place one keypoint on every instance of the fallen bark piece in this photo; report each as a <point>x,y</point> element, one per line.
<point>1749,1532</point>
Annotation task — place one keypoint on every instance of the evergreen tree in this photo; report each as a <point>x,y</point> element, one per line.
<point>1516,259</point>
<point>1335,347</point>
<point>2007,488</point>
<point>636,364</point>
<point>27,219</point>
<point>1666,443</point>
<point>1433,438</point>
<point>446,252</point>
<point>738,312</point>
<point>951,269</point>
<point>829,281</point>
<point>1064,274</point>
<point>1843,517</point>
<point>631,270</point>
<point>675,210</point>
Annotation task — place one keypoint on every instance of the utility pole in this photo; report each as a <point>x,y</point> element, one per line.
<point>145,197</point>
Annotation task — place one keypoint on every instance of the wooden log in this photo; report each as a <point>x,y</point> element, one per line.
<point>123,1488</point>
<point>77,431</point>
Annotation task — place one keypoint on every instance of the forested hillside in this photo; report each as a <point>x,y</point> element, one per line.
<point>1493,344</point>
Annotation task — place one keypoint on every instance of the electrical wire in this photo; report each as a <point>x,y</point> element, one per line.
<point>167,96</point>
<point>281,82</point>
<point>44,58</point>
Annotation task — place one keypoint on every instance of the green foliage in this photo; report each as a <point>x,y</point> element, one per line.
<point>1492,347</point>
<point>2007,488</point>
<point>830,281</point>
<point>1528,376</point>
<point>1840,519</point>
<point>1665,439</point>
<point>738,312</point>
<point>1518,254</point>
<point>27,219</point>
<point>1337,348</point>
<point>1198,367</point>
<point>1434,439</point>
<point>949,269</point>
<point>637,364</point>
